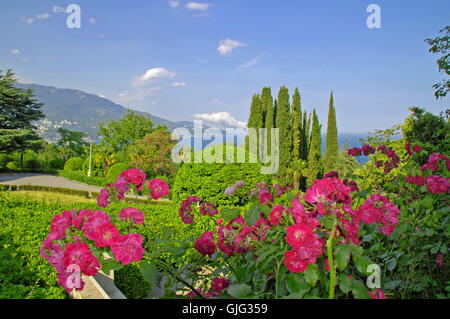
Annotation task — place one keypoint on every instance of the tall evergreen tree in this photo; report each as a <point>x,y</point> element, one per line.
<point>284,124</point>
<point>296,125</point>
<point>297,131</point>
<point>331,146</point>
<point>18,111</point>
<point>305,137</point>
<point>255,119</point>
<point>315,152</point>
<point>269,120</point>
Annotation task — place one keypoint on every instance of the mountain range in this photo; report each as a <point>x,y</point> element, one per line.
<point>80,111</point>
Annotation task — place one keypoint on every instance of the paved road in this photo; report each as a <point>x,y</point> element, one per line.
<point>44,180</point>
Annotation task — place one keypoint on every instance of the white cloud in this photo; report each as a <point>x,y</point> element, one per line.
<point>174,3</point>
<point>221,118</point>
<point>25,59</point>
<point>101,36</point>
<point>198,6</point>
<point>57,9</point>
<point>179,84</point>
<point>226,46</point>
<point>15,51</point>
<point>151,74</point>
<point>92,21</point>
<point>43,16</point>
<point>250,63</point>
<point>27,20</point>
<point>137,96</point>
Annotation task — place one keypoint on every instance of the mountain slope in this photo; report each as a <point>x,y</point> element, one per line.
<point>79,111</point>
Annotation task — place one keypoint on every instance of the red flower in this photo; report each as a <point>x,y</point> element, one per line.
<point>158,188</point>
<point>62,222</point>
<point>134,176</point>
<point>93,222</point>
<point>205,244</point>
<point>416,148</point>
<point>265,196</point>
<point>102,198</point>
<point>107,234</point>
<point>219,284</point>
<point>321,192</point>
<point>368,149</point>
<point>133,215</point>
<point>415,180</point>
<point>331,174</point>
<point>77,254</point>
<point>276,214</point>
<point>298,235</point>
<point>185,211</point>
<point>121,186</point>
<point>81,217</point>
<point>354,151</point>
<point>127,248</point>
<point>437,184</point>
<point>208,209</point>
<point>294,263</point>
<point>379,294</point>
<point>408,148</point>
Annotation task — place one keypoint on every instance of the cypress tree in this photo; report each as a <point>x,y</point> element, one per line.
<point>255,119</point>
<point>284,124</point>
<point>269,120</point>
<point>315,152</point>
<point>304,137</point>
<point>331,146</point>
<point>296,125</point>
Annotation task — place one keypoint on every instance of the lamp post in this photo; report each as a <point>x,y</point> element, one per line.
<point>90,156</point>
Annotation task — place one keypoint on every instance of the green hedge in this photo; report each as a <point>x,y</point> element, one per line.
<point>209,181</point>
<point>114,172</point>
<point>60,190</point>
<point>73,164</point>
<point>131,283</point>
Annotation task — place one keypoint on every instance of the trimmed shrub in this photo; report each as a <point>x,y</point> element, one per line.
<point>209,181</point>
<point>12,166</point>
<point>4,159</point>
<point>114,172</point>
<point>32,164</point>
<point>56,163</point>
<point>131,283</point>
<point>73,164</point>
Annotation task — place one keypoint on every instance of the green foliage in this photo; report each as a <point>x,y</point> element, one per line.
<point>56,163</point>
<point>284,124</point>
<point>72,140</point>
<point>18,110</point>
<point>131,283</point>
<point>441,45</point>
<point>331,146</point>
<point>24,274</point>
<point>209,181</point>
<point>255,119</point>
<point>73,164</point>
<point>114,172</point>
<point>315,165</point>
<point>430,131</point>
<point>345,165</point>
<point>12,166</point>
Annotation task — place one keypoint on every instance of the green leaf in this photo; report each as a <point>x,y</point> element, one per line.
<point>166,232</point>
<point>345,283</point>
<point>239,290</point>
<point>177,251</point>
<point>392,284</point>
<point>150,272</point>
<point>362,262</point>
<point>228,214</point>
<point>391,264</point>
<point>252,216</point>
<point>296,285</point>
<point>312,274</point>
<point>359,290</point>
<point>290,196</point>
<point>342,256</point>
<point>265,210</point>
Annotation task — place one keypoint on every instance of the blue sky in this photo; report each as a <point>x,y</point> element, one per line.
<point>178,58</point>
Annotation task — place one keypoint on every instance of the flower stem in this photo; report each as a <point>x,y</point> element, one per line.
<point>330,258</point>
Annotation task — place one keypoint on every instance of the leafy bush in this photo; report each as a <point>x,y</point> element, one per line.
<point>131,283</point>
<point>114,172</point>
<point>209,181</point>
<point>4,159</point>
<point>32,164</point>
<point>23,273</point>
<point>12,166</point>
<point>56,163</point>
<point>73,164</point>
